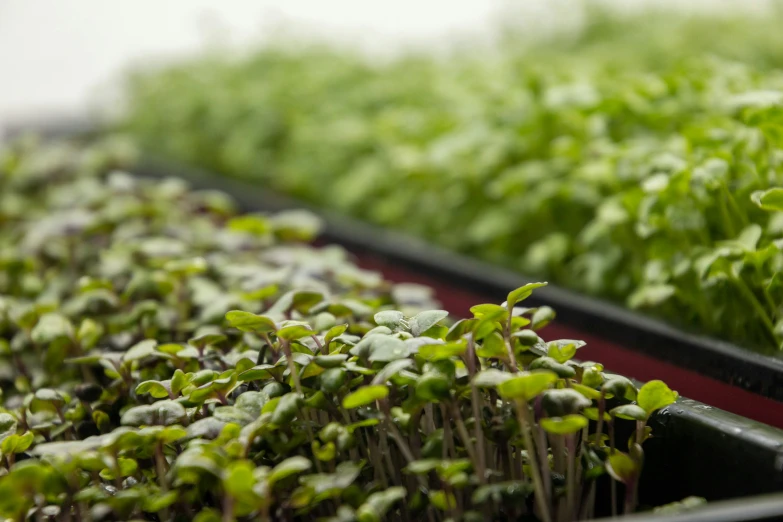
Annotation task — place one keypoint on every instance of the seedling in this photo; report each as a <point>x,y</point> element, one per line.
<point>322,396</point>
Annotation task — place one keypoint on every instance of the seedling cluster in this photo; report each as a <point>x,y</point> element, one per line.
<point>165,358</point>
<point>621,162</point>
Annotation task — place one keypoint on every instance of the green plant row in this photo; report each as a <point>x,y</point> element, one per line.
<point>607,165</point>
<point>165,358</point>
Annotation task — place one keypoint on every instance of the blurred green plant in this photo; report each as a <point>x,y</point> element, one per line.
<point>618,160</point>
<point>163,358</point>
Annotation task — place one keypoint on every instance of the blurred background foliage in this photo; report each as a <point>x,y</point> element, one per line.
<point>617,158</point>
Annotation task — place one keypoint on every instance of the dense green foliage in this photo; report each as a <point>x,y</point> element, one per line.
<point>163,358</point>
<point>619,162</point>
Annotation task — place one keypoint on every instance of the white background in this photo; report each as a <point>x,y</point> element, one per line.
<point>60,57</point>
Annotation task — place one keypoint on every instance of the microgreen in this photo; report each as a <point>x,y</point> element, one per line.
<point>265,408</point>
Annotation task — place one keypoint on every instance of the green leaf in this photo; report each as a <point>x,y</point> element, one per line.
<point>207,339</point>
<point>423,466</point>
<point>492,347</point>
<point>770,199</point>
<point>334,331</point>
<point>208,515</point>
<point>154,388</point>
<point>238,479</point>
<point>526,385</point>
<point>330,361</point>
<point>89,333</point>
<point>385,348</point>
<point>630,412</point>
<point>161,413</point>
<point>294,332</point>
<point>178,381</point>
<point>186,267</point>
<point>286,409</point>
<point>140,350</point>
<point>50,328</point>
<point>564,425</point>
<point>433,387</point>
<point>127,468</point>
<point>288,467</point>
<point>521,293</point>
<point>262,371</point>
<point>619,386</point>
<point>683,505</point>
<point>652,295</point>
<point>251,402</point>
<point>563,402</point>
<point>171,434</point>
<point>249,322</point>
<point>563,350</point>
<point>588,392</point>
<point>460,328</point>
<point>501,492</point>
<point>423,321</point>
<point>365,395</point>
<point>390,370</point>
<point>16,443</point>
<point>324,452</point>
<point>160,501</point>
<point>296,225</point>
<point>547,363</point>
<point>378,504</point>
<point>592,414</point>
<point>442,500</point>
<point>391,319</point>
<point>434,352</point>
<point>490,378</point>
<point>484,327</point>
<point>333,379</point>
<point>655,395</point>
<point>250,224</point>
<point>47,399</point>
<point>542,317</point>
<point>490,310</point>
<point>299,300</point>
<point>7,425</point>
<point>367,423</point>
<point>207,428</point>
<point>622,467</point>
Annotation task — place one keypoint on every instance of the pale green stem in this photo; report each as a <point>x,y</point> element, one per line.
<point>523,416</point>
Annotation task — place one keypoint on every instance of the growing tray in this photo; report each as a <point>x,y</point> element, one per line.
<point>707,369</point>
<point>697,449</point>
<point>713,371</point>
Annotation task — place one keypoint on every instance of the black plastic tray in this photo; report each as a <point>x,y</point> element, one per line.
<point>762,508</point>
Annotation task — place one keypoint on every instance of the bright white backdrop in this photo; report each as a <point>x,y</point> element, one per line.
<point>62,56</point>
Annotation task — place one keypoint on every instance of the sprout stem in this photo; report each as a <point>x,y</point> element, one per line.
<point>321,347</point>
<point>512,358</point>
<point>601,410</point>
<point>630,496</point>
<point>745,290</point>
<point>613,485</point>
<point>463,434</point>
<point>448,441</point>
<point>523,416</point>
<point>475,398</point>
<point>570,476</point>
<point>291,367</point>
